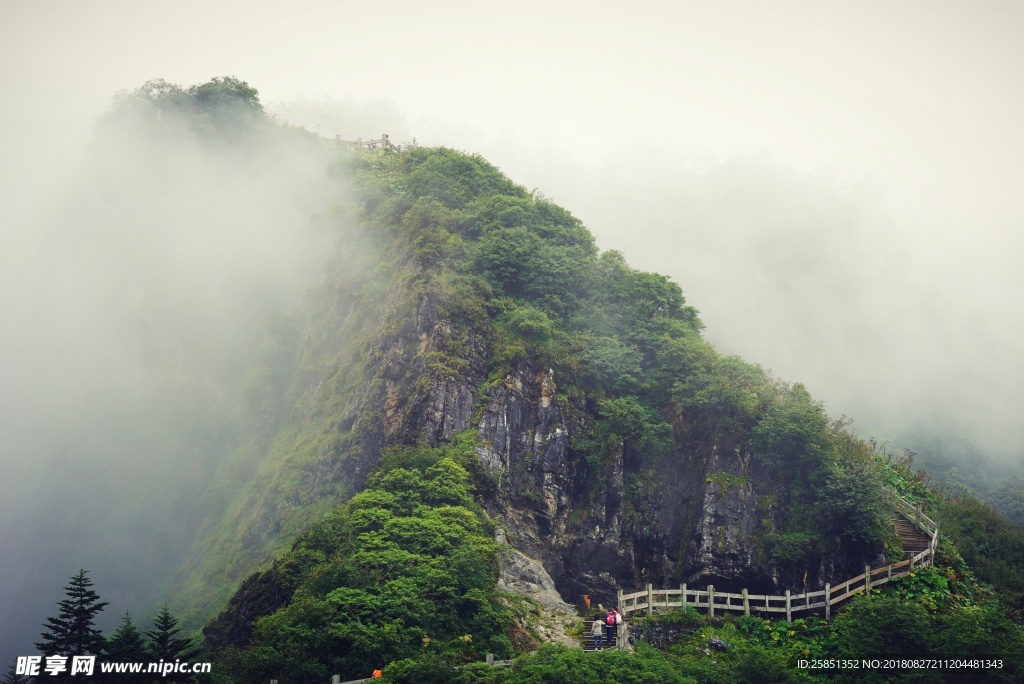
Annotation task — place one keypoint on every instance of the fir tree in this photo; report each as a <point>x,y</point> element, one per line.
<point>163,645</point>
<point>72,632</point>
<point>126,644</point>
<point>13,678</point>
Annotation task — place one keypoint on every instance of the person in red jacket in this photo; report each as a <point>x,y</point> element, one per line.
<point>610,627</point>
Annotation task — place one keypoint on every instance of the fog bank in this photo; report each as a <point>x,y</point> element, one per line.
<point>137,296</point>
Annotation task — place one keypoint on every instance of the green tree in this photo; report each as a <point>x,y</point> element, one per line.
<point>523,263</point>
<point>223,108</point>
<point>163,644</point>
<point>455,179</point>
<point>72,631</point>
<point>886,626</point>
<point>616,366</point>
<point>127,645</point>
<point>793,432</point>
<point>13,678</point>
<point>227,91</point>
<point>413,578</point>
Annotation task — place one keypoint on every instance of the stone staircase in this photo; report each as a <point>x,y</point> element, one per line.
<point>588,637</point>
<point>914,541</point>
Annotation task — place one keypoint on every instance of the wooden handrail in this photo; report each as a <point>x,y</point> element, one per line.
<point>914,514</point>
<point>383,143</point>
<point>712,600</point>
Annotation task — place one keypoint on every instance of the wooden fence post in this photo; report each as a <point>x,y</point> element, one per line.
<point>917,514</point>
<point>336,679</point>
<point>911,562</point>
<point>745,596</point>
<point>490,659</point>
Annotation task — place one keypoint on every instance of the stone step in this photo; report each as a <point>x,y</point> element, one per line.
<point>588,637</point>
<point>906,524</point>
<point>912,539</point>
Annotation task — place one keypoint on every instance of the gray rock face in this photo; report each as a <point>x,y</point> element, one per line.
<point>724,545</point>
<point>527,577</point>
<point>578,520</point>
<point>543,500</point>
<point>446,410</point>
<point>526,437</point>
<point>697,515</point>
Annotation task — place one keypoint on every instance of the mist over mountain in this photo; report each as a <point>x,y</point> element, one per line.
<point>137,300</point>
<point>821,276</point>
<point>836,189</point>
<point>247,326</point>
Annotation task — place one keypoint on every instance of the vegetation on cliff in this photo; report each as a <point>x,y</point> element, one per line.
<point>512,279</point>
<point>362,469</point>
<point>405,570</point>
<point>525,276</point>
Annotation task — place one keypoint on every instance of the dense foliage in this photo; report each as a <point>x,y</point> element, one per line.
<point>526,274</point>
<point>992,546</point>
<point>405,570</point>
<point>411,578</point>
<point>223,108</point>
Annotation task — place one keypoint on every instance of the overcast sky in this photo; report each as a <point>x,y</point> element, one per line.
<point>917,104</point>
<point>837,186</point>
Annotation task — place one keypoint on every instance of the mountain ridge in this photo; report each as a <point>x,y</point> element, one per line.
<point>491,295</point>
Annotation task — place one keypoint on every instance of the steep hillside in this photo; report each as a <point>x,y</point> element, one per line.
<point>615,445</point>
<point>476,418</point>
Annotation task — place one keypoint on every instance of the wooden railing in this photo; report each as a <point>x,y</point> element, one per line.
<point>382,143</point>
<point>915,515</point>
<point>789,603</point>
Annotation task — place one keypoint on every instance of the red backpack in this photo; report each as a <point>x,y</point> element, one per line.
<point>610,620</point>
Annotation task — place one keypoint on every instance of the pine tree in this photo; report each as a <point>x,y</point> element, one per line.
<point>72,632</point>
<point>126,644</point>
<point>163,645</point>
<point>13,678</point>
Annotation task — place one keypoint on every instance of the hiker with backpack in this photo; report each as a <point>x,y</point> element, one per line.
<point>611,626</point>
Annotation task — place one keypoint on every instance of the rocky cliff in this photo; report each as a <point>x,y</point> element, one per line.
<point>614,446</point>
